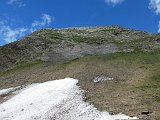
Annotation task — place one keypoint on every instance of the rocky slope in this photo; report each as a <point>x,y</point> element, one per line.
<point>71,43</point>
<point>125,62</point>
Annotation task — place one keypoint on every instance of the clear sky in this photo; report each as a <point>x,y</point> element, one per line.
<point>21,17</point>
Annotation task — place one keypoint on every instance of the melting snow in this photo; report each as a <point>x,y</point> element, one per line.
<point>9,90</point>
<point>102,78</point>
<point>53,100</point>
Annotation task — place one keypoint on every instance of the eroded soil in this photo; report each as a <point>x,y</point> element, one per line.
<point>125,93</point>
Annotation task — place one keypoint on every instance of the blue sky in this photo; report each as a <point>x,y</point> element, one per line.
<point>21,17</point>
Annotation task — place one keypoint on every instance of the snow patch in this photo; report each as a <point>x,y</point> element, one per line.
<point>53,100</point>
<point>9,90</point>
<point>102,78</point>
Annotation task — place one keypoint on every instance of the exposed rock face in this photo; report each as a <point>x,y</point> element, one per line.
<point>157,39</point>
<point>62,53</point>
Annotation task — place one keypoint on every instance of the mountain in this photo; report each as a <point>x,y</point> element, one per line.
<point>118,67</point>
<point>71,43</point>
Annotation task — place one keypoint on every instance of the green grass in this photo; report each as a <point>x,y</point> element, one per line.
<point>20,66</point>
<point>137,58</point>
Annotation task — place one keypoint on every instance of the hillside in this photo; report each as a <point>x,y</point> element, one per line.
<point>119,68</point>
<point>71,43</point>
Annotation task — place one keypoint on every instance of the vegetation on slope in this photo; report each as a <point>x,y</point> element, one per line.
<point>135,67</point>
<point>135,86</point>
<point>41,42</point>
<point>19,67</point>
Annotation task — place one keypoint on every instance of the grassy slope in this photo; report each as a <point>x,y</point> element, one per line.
<point>19,67</point>
<point>136,84</point>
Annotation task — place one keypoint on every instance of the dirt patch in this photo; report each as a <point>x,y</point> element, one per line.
<point>122,94</point>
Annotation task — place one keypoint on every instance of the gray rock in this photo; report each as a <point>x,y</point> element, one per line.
<point>145,112</point>
<point>102,78</point>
